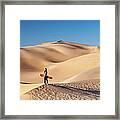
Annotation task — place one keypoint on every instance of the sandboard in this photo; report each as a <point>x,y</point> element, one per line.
<point>42,75</point>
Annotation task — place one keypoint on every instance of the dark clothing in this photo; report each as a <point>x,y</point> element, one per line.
<point>45,72</point>
<point>45,77</point>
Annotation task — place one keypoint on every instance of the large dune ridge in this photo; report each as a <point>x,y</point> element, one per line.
<point>67,62</point>
<point>36,57</point>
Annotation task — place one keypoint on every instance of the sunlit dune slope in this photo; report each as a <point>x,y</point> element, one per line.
<point>35,58</point>
<point>68,63</point>
<point>91,74</point>
<point>27,87</point>
<point>83,65</point>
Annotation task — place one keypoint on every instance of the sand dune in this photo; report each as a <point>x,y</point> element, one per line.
<point>50,55</point>
<point>27,87</point>
<point>84,90</point>
<point>92,74</point>
<point>37,57</point>
<point>66,62</point>
<point>64,70</point>
<point>74,66</point>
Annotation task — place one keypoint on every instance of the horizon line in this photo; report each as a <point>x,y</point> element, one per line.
<point>58,42</point>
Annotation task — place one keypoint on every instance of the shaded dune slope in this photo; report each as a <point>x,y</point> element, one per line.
<point>81,65</point>
<point>61,58</point>
<point>36,57</point>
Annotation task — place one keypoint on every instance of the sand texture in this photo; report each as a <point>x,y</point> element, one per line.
<point>75,69</point>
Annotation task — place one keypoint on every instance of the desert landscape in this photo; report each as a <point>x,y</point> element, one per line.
<point>74,68</point>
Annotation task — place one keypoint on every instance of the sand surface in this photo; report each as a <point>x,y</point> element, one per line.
<point>68,63</point>
<point>83,90</point>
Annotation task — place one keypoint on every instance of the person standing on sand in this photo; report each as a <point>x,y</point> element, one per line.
<point>45,76</point>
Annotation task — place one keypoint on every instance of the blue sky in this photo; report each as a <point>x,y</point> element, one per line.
<point>33,32</point>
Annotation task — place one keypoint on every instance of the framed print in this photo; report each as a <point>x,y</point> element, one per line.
<point>60,59</point>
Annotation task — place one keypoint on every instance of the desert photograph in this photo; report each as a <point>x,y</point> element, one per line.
<point>59,60</point>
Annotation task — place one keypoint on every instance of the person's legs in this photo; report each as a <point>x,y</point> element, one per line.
<point>44,81</point>
<point>47,81</point>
